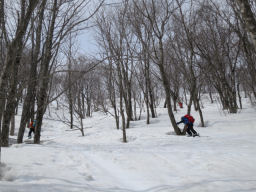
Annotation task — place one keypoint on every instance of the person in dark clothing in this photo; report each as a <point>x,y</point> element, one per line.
<point>32,126</point>
<point>188,121</point>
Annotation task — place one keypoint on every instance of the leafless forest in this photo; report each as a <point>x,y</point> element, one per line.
<point>148,51</point>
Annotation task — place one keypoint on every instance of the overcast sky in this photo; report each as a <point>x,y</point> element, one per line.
<point>86,39</point>
<point>87,43</point>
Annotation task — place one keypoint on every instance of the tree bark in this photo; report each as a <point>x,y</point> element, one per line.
<point>166,85</point>
<point>249,19</point>
<point>44,75</point>
<point>12,63</point>
<point>11,103</point>
<point>12,131</point>
<point>29,101</point>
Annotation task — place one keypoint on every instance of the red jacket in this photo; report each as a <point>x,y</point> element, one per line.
<point>31,125</point>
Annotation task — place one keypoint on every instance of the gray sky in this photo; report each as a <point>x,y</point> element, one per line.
<point>86,39</point>
<point>87,43</point>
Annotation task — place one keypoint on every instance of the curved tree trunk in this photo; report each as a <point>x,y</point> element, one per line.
<point>166,85</point>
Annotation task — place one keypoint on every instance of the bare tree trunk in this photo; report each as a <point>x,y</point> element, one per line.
<point>44,75</point>
<point>146,92</point>
<point>2,104</point>
<point>71,112</point>
<point>88,101</point>
<point>70,97</point>
<point>151,103</point>
<point>174,104</point>
<point>200,113</point>
<point>185,96</point>
<point>249,18</point>
<point>82,125</point>
<point>147,109</point>
<point>210,94</point>
<point>116,118</point>
<point>12,131</point>
<point>190,104</point>
<point>123,117</point>
<point>239,95</point>
<point>135,106</point>
<point>83,104</point>
<point>167,89</point>
<point>11,103</point>
<point>29,101</point>
<point>121,91</point>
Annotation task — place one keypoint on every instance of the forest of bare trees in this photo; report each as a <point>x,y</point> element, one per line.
<point>148,51</point>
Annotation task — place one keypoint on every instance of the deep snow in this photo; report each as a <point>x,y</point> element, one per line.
<point>154,160</point>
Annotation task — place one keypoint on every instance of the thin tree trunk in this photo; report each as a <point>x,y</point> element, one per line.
<point>174,104</point>
<point>116,117</point>
<point>200,113</point>
<point>82,125</point>
<point>2,104</point>
<point>239,95</point>
<point>123,117</point>
<point>83,104</point>
<point>135,106</point>
<point>88,101</point>
<point>12,131</point>
<point>210,94</point>
<point>70,95</point>
<point>190,104</point>
<point>185,96</point>
<point>151,103</point>
<point>147,99</point>
<point>147,106</point>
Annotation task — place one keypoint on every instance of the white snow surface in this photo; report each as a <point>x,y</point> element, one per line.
<point>154,159</point>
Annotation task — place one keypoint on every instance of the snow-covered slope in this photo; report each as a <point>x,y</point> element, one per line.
<point>154,160</point>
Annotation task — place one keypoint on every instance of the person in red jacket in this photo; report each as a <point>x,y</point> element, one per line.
<point>32,126</point>
<point>180,104</point>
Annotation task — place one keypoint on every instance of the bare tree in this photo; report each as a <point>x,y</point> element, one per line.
<point>186,25</point>
<point>214,39</point>
<point>113,35</point>
<point>57,32</point>
<point>29,101</point>
<point>12,64</point>
<point>158,16</point>
<point>143,33</point>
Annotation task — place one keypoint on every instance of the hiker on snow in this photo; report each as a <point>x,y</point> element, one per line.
<point>188,120</point>
<point>32,126</point>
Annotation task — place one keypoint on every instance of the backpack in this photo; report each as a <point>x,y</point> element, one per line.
<point>190,118</point>
<point>34,124</point>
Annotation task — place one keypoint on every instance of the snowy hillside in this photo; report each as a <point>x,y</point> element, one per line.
<point>154,160</point>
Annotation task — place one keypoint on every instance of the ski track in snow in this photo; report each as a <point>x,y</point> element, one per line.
<point>153,160</point>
